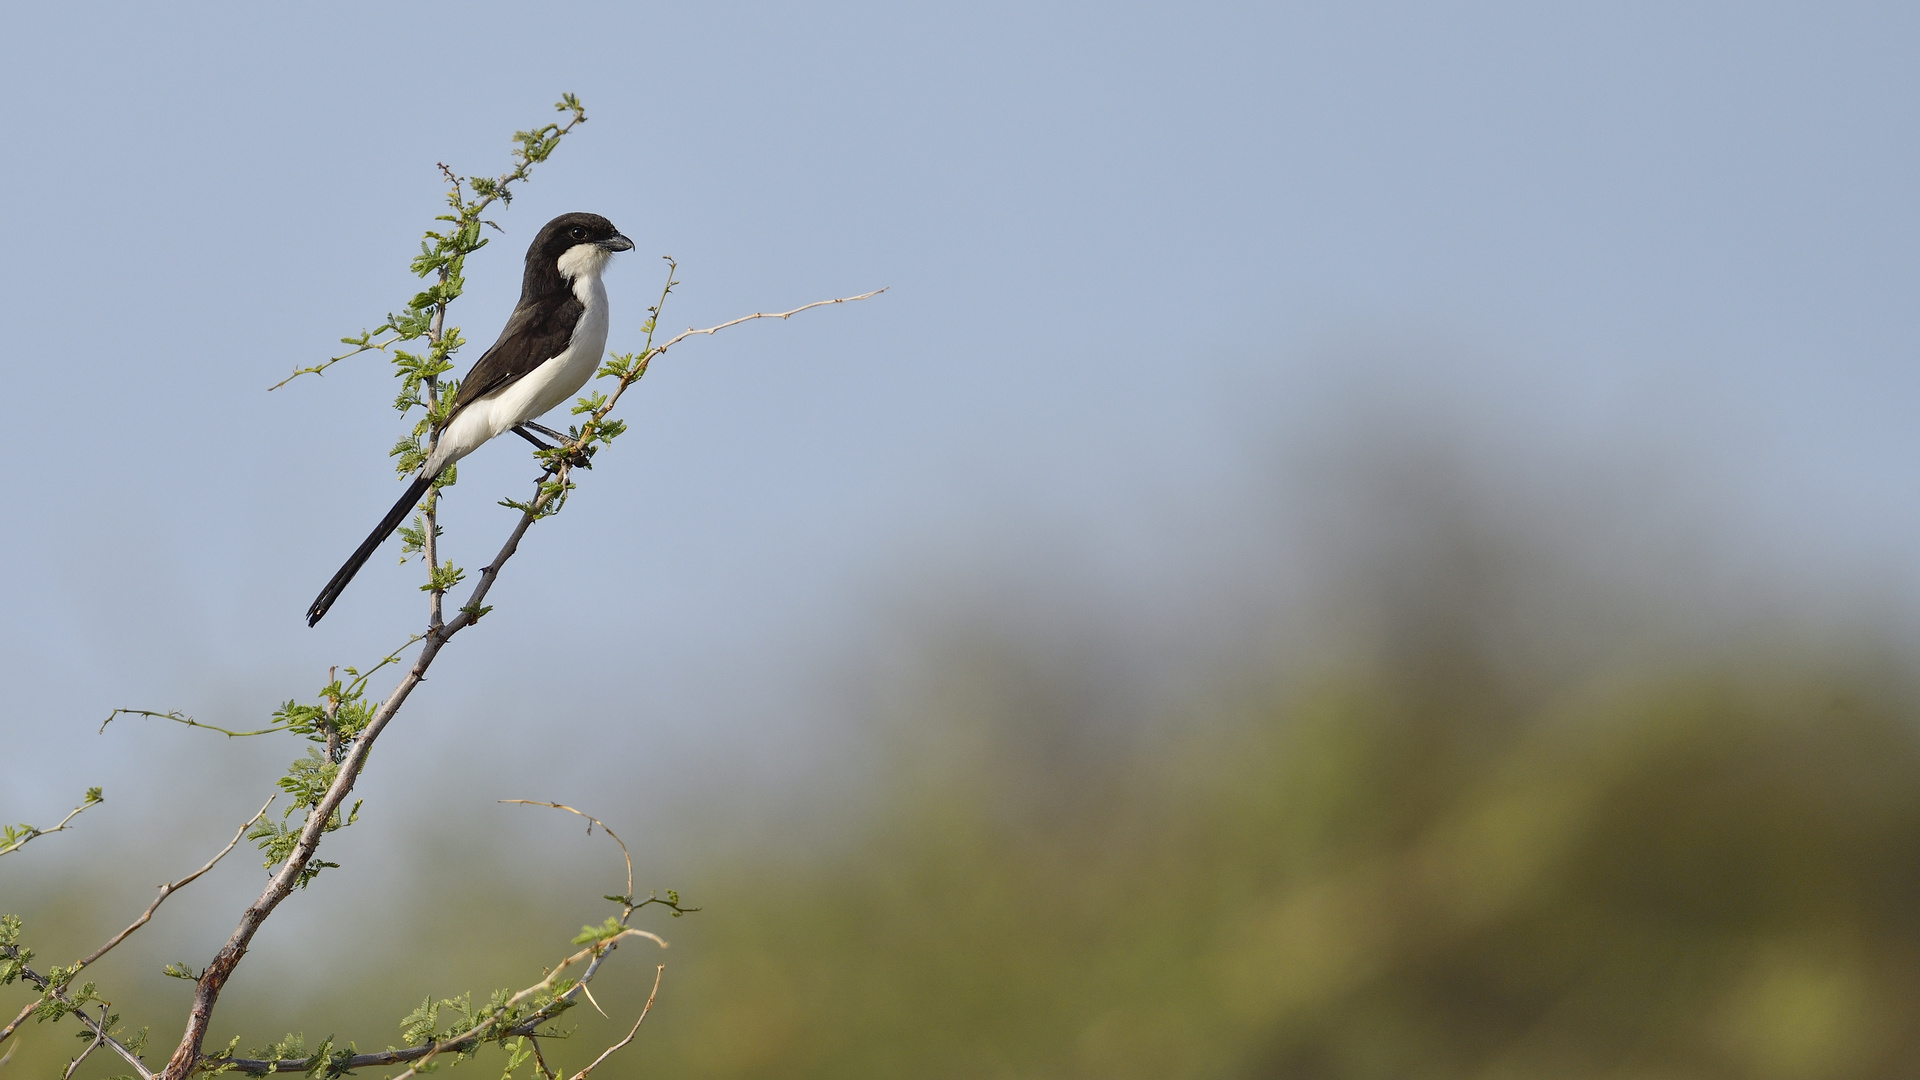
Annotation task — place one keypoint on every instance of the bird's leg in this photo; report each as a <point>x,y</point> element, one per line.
<point>579,459</point>
<point>521,430</point>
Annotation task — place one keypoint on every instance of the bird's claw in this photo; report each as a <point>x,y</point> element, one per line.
<point>560,457</point>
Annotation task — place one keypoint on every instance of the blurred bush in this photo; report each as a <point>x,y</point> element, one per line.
<point>1440,850</point>
<point>1391,872</point>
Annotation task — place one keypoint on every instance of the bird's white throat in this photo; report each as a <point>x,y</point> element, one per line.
<point>581,264</point>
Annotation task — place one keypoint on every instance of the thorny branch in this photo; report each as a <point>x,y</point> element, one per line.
<point>592,821</point>
<point>179,717</point>
<point>187,1057</point>
<point>597,950</point>
<point>534,148</point>
<point>658,970</point>
<point>174,887</point>
<point>418,1057</point>
<point>165,891</point>
<point>683,335</point>
<point>98,1033</point>
<point>51,992</point>
<point>351,754</point>
<point>629,368</point>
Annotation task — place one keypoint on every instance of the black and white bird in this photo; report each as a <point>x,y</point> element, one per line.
<point>551,346</point>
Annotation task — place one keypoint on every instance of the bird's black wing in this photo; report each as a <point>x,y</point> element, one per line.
<point>534,334</point>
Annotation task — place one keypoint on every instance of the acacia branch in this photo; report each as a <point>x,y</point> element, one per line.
<point>100,1036</point>
<point>539,1059</point>
<point>683,335</point>
<point>466,1040</point>
<point>16,837</point>
<point>91,1044</point>
<point>650,350</point>
<point>549,493</point>
<point>170,889</point>
<point>48,991</point>
<point>658,970</point>
<point>534,147</point>
<point>207,993</point>
<point>179,717</point>
<point>321,368</point>
<point>596,950</point>
<point>186,1056</point>
<point>17,1021</point>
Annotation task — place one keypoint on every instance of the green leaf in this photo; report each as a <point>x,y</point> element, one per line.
<point>593,935</point>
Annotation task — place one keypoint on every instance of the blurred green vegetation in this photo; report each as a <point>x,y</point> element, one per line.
<point>1432,857</point>
<point>1388,873</point>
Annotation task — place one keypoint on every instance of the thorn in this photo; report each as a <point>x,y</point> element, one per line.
<point>587,990</point>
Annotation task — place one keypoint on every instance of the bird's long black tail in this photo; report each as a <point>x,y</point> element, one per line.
<point>374,539</point>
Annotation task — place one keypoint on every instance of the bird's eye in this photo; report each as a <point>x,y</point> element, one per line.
<point>577,233</point>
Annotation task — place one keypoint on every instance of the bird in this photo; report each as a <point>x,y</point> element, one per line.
<point>550,347</point>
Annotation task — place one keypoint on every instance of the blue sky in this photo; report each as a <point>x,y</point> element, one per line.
<point>1135,254</point>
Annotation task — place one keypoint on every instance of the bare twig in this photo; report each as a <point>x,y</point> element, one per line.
<point>16,837</point>
<point>650,350</point>
<point>683,335</point>
<point>658,970</point>
<point>170,889</point>
<point>321,368</point>
<point>628,855</point>
<point>179,717</point>
<point>98,1033</point>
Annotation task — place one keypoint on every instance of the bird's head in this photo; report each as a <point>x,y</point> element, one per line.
<point>576,244</point>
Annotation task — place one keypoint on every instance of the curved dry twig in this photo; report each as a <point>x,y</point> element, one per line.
<point>624,853</point>
<point>595,950</point>
<point>658,970</point>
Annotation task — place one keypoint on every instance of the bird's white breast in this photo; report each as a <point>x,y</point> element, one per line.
<point>553,382</point>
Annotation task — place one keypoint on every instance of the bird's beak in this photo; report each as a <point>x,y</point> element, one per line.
<point>616,242</point>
